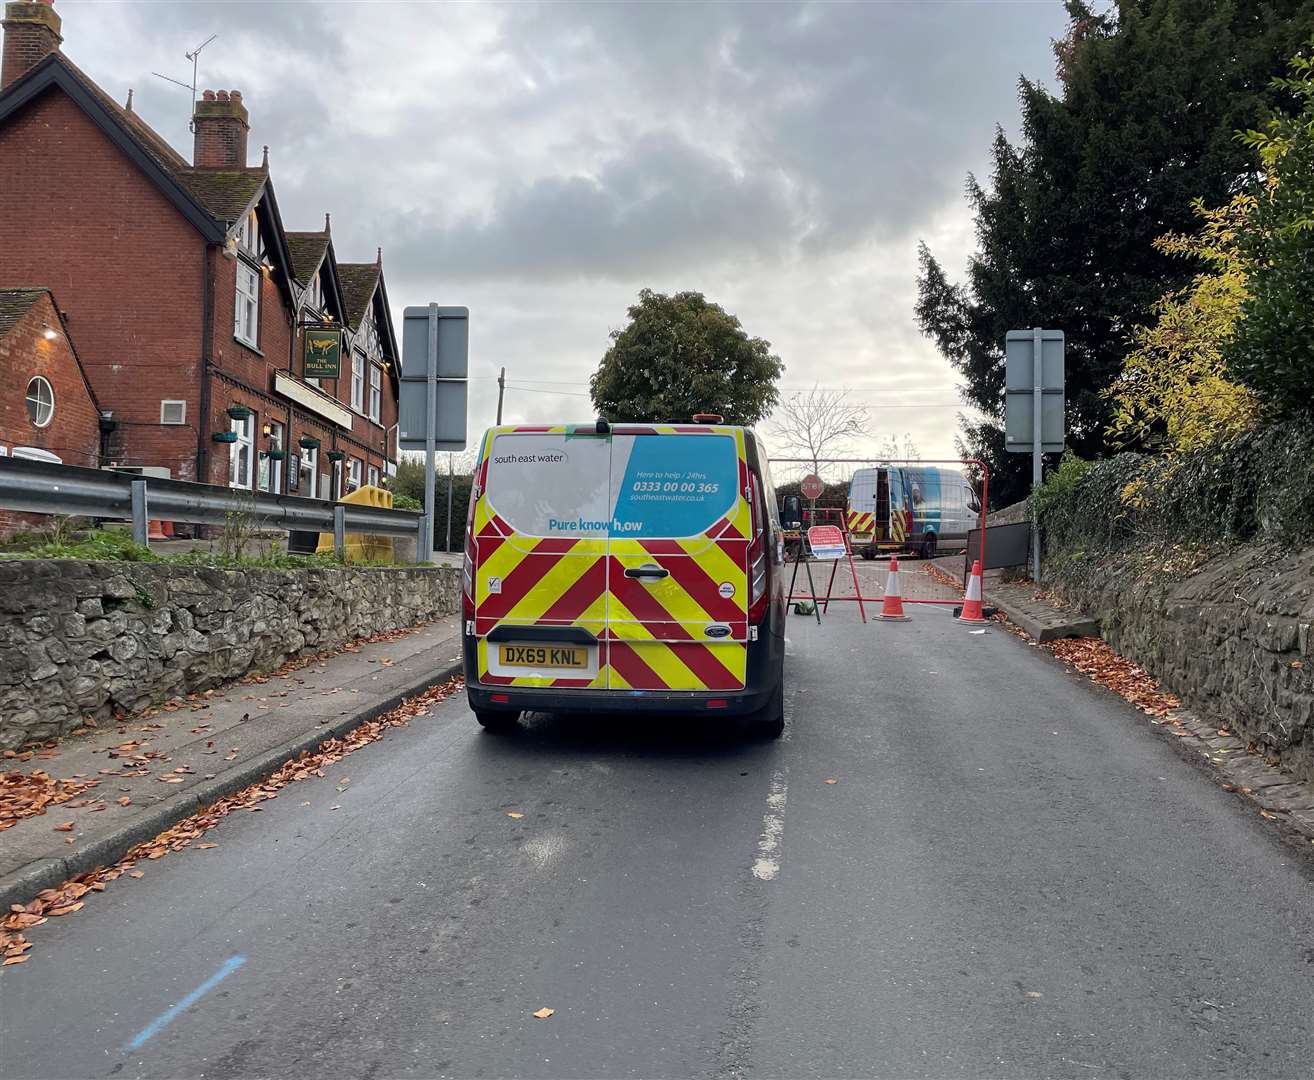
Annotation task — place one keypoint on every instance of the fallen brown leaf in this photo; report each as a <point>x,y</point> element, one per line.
<point>543,1014</point>
<point>66,909</point>
<point>66,827</point>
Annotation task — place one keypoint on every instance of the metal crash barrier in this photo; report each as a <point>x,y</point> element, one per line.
<point>38,487</point>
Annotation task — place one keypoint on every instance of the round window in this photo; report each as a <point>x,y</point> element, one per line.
<point>40,401</point>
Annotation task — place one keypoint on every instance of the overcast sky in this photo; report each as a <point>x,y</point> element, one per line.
<point>540,163</point>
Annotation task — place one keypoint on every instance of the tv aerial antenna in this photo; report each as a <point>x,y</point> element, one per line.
<point>194,57</point>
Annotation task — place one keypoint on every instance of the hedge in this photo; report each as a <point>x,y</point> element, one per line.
<point>1258,487</point>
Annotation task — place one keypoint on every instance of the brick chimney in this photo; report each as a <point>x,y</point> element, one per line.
<point>31,34</point>
<point>220,127</point>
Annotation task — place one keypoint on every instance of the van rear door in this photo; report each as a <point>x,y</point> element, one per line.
<point>677,614</point>
<point>540,569</point>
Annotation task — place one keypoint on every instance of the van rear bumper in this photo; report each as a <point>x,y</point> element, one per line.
<point>762,678</point>
<point>671,702</point>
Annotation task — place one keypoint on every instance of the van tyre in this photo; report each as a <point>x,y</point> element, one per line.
<point>769,721</point>
<point>497,721</point>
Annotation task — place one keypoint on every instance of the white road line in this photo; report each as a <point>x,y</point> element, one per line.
<point>767,865</point>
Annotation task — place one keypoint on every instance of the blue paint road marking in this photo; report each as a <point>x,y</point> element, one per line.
<point>178,1008</point>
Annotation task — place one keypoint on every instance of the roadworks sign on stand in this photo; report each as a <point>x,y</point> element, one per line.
<point>826,542</point>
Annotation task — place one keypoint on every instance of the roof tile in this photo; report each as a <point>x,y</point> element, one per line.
<point>358,283</point>
<point>14,304</point>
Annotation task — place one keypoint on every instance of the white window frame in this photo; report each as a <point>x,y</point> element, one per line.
<point>373,474</point>
<point>310,464</point>
<point>376,392</point>
<point>246,304</point>
<point>314,295</point>
<point>248,236</point>
<point>271,479</point>
<point>358,365</point>
<point>34,415</point>
<point>164,404</point>
<point>244,429</point>
<point>353,474</point>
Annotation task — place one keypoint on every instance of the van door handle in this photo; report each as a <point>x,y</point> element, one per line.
<point>646,571</point>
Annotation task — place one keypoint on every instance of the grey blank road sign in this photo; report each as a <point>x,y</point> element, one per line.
<point>453,365</point>
<point>453,343</point>
<point>413,410</point>
<point>1019,347</point>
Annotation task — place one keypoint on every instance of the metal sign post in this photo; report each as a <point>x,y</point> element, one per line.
<point>1034,406</point>
<point>430,423</point>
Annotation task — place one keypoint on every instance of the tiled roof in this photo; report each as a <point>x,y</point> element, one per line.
<point>307,250</point>
<point>225,193</point>
<point>14,304</point>
<point>358,282</point>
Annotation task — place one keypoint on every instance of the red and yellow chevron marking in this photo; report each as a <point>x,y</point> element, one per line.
<point>861,523</point>
<point>900,524</point>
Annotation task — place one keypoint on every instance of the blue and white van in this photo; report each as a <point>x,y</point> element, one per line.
<point>915,508</point>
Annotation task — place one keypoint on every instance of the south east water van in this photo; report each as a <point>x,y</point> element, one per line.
<point>624,568</point>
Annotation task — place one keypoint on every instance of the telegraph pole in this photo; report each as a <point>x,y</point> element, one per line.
<point>501,387</point>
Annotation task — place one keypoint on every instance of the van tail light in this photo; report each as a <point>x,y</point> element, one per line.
<point>758,571</point>
<point>468,558</point>
<point>467,586</point>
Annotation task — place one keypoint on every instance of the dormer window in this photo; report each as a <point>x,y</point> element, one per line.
<point>314,296</point>
<point>370,330</point>
<point>248,238</point>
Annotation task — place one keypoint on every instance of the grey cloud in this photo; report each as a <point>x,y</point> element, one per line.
<point>658,204</point>
<point>540,163</point>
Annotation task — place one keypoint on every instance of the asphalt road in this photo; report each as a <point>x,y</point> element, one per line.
<point>1012,877</point>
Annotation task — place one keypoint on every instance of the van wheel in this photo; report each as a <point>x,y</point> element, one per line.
<point>769,721</point>
<point>497,721</point>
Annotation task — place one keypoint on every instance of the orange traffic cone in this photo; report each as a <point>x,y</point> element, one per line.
<point>156,531</point>
<point>972,612</point>
<point>892,606</point>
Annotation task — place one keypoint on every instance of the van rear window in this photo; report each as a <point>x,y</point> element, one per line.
<point>634,486</point>
<point>671,485</point>
<point>550,484</point>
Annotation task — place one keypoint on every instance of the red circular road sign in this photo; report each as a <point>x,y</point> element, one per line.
<point>812,487</point>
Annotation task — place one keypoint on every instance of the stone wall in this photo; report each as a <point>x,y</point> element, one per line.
<point>1233,639</point>
<point>93,638</point>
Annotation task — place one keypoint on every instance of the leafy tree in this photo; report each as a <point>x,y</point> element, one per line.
<point>1151,92</point>
<point>1272,350</point>
<point>1174,391</point>
<point>682,355</point>
<point>409,483</point>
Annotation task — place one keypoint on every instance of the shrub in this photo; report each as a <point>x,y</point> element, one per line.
<point>1257,486</point>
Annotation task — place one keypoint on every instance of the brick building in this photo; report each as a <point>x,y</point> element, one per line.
<point>189,301</point>
<point>47,408</point>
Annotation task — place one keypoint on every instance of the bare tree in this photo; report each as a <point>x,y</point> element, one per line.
<point>895,448</point>
<point>818,424</point>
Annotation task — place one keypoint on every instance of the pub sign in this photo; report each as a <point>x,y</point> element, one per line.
<point>321,354</point>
